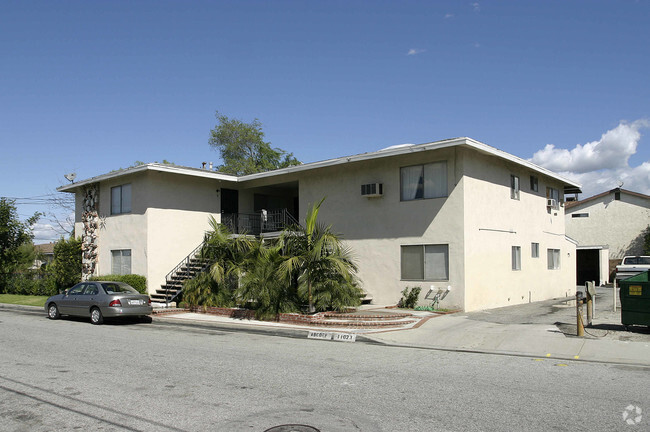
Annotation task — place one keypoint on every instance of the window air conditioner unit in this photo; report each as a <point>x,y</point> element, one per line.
<point>551,203</point>
<point>372,190</point>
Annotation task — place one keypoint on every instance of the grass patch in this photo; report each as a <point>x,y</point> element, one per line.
<point>23,299</point>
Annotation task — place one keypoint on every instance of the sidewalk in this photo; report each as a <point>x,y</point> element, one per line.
<point>543,330</point>
<point>540,330</point>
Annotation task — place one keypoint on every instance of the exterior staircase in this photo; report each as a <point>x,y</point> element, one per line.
<point>257,224</point>
<point>190,266</point>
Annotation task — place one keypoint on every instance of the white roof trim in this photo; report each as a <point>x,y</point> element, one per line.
<point>388,152</point>
<point>195,172</point>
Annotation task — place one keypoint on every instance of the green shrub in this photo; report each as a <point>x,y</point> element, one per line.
<point>136,281</point>
<point>202,290</point>
<point>66,266</point>
<point>33,284</point>
<point>409,297</point>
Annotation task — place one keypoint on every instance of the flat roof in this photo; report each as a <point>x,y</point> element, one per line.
<point>569,185</point>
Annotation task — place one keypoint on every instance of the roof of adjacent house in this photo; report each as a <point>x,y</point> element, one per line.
<point>46,248</point>
<point>569,185</point>
<point>571,204</point>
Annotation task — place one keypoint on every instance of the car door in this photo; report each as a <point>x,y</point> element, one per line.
<point>88,298</point>
<point>69,303</point>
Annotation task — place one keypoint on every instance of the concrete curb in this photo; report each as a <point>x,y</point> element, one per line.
<point>302,333</point>
<point>23,308</point>
<point>288,332</point>
<point>509,353</point>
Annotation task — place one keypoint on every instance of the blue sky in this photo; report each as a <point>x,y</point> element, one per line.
<point>92,86</point>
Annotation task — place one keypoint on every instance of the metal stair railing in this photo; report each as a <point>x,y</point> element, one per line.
<point>258,223</point>
<point>252,223</point>
<point>185,263</point>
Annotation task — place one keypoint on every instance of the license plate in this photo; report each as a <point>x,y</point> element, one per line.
<point>135,302</point>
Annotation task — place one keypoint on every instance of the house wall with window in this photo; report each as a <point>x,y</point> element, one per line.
<point>378,229</point>
<point>616,218</point>
<point>178,212</point>
<point>453,214</point>
<point>164,221</point>
<point>122,233</point>
<point>503,229</point>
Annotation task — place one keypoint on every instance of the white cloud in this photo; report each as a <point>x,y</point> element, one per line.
<point>449,15</point>
<point>600,165</point>
<point>44,233</point>
<point>51,229</point>
<point>415,51</point>
<point>476,6</point>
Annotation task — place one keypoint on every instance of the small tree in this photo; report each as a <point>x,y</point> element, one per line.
<point>216,287</point>
<point>14,236</point>
<point>325,268</point>
<point>263,286</point>
<point>243,149</point>
<point>66,265</point>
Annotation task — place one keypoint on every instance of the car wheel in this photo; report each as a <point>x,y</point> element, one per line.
<point>53,312</point>
<point>146,319</point>
<point>96,316</point>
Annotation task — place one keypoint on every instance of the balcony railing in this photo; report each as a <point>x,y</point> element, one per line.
<point>258,223</point>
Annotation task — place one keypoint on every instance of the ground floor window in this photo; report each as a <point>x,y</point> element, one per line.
<point>534,250</point>
<point>553,256</point>
<point>121,261</point>
<point>516,257</point>
<point>425,262</point>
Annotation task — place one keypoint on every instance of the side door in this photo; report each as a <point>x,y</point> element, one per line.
<point>69,303</point>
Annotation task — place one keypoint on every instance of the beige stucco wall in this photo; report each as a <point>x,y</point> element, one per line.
<point>375,228</point>
<point>618,224</point>
<point>168,218</point>
<point>178,211</point>
<point>493,223</point>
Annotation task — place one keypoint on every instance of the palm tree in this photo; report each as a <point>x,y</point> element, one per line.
<point>262,286</point>
<point>322,264</point>
<point>227,252</point>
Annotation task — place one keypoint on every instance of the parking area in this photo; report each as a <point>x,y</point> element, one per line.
<point>562,314</point>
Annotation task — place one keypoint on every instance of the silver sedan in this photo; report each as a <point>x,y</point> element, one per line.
<point>99,300</point>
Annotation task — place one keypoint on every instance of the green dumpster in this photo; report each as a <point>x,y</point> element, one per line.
<point>635,300</point>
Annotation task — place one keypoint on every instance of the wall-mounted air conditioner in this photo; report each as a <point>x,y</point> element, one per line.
<point>551,203</point>
<point>372,190</point>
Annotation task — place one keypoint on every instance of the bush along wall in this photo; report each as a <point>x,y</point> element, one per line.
<point>31,283</point>
<point>136,281</point>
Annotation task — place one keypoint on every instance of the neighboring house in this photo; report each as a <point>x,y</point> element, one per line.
<point>454,213</point>
<point>44,255</point>
<point>607,227</point>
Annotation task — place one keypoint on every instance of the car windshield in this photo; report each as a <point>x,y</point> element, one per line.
<point>118,288</point>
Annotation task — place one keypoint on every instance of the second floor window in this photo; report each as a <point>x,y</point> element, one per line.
<point>553,194</point>
<point>121,199</point>
<point>424,181</point>
<point>514,187</point>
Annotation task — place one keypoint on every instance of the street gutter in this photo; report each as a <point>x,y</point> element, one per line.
<point>302,334</point>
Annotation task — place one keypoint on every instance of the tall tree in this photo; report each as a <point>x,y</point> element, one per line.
<point>14,235</point>
<point>66,266</point>
<point>243,149</point>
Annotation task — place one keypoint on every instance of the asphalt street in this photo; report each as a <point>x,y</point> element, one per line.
<point>70,375</point>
